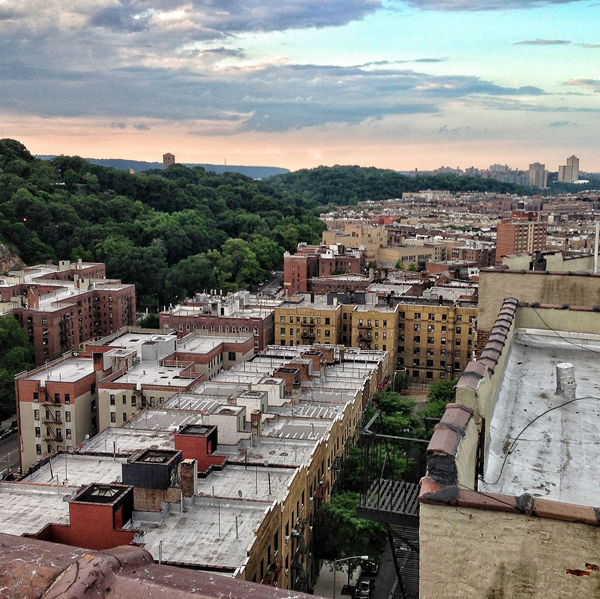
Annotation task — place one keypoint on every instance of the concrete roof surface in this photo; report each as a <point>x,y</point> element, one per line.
<point>558,456</point>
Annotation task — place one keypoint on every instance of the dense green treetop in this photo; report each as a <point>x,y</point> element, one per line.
<point>344,185</point>
<point>16,355</point>
<point>172,232</point>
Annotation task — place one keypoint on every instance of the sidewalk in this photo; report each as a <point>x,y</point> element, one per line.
<point>324,586</point>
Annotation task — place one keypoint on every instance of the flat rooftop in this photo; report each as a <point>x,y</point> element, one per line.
<point>127,441</point>
<point>26,509</point>
<point>223,544</point>
<point>257,483</point>
<point>77,470</point>
<point>152,373</point>
<point>163,420</point>
<point>557,455</point>
<point>67,371</point>
<point>203,344</point>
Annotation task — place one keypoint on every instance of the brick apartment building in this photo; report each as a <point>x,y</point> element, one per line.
<point>234,313</point>
<point>523,232</point>
<point>63,306</point>
<point>311,261</point>
<point>433,339</point>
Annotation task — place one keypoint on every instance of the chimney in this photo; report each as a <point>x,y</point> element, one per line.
<point>33,301</point>
<point>255,424</point>
<point>189,478</point>
<point>323,368</point>
<point>565,380</point>
<point>296,392</point>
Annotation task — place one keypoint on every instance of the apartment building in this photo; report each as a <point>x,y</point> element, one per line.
<point>233,313</point>
<point>56,406</point>
<point>310,262</point>
<point>436,340</point>
<point>523,232</point>
<point>61,307</point>
<point>250,515</point>
<point>358,235</point>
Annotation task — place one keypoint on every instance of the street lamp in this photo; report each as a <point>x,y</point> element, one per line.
<point>345,559</point>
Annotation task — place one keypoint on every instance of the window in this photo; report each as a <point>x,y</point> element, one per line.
<point>68,416</point>
<point>456,365</point>
<point>282,331</point>
<point>417,328</point>
<point>442,375</point>
<point>457,353</point>
<point>430,328</point>
<point>430,316</point>
<point>124,417</point>
<point>430,340</point>
<point>113,417</point>
<point>327,321</point>
<point>430,351</point>
<point>457,342</point>
<point>124,400</point>
<point>417,339</point>
<point>417,316</point>
<point>443,328</point>
<point>415,374</point>
<point>458,318</point>
<point>443,341</point>
<point>444,316</point>
<point>68,433</point>
<point>429,375</point>
<point>112,400</point>
<point>291,331</point>
<point>384,336</point>
<point>231,356</point>
<point>36,396</point>
<point>38,433</point>
<point>327,333</point>
<point>458,330</point>
<point>429,363</point>
<point>416,351</point>
<point>282,319</point>
<point>57,398</point>
<point>67,398</point>
<point>401,338</point>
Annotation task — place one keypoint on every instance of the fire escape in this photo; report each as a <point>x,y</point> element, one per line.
<point>392,468</point>
<point>51,420</point>
<point>300,561</point>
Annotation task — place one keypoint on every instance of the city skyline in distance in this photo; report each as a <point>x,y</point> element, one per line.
<point>392,84</point>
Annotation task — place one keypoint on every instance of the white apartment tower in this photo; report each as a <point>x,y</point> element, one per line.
<point>538,175</point>
<point>569,172</point>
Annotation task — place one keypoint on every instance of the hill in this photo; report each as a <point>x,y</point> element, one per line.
<point>171,232</point>
<point>254,172</point>
<point>344,185</point>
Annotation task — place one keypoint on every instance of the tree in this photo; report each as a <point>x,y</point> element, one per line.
<point>412,267</point>
<point>372,264</point>
<point>440,394</point>
<point>16,355</point>
<point>401,382</point>
<point>151,321</point>
<point>341,533</point>
<point>400,265</point>
<point>339,271</point>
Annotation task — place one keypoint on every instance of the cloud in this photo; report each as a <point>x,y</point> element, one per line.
<point>540,42</point>
<point>141,127</point>
<point>479,5</point>
<point>589,46</point>
<point>560,124</point>
<point>456,130</point>
<point>119,125</point>
<point>588,84</point>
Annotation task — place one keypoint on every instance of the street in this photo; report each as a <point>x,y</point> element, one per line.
<point>9,451</point>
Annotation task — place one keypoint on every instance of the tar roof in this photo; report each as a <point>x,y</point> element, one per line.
<point>557,455</point>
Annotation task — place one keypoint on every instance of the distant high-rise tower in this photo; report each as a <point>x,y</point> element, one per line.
<point>538,175</point>
<point>168,159</point>
<point>569,172</point>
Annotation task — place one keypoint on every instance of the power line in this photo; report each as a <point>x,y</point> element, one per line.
<point>565,338</point>
<point>512,445</point>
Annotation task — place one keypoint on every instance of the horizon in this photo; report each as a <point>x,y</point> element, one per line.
<point>394,84</point>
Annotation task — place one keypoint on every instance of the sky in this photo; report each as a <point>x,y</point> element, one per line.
<point>399,84</point>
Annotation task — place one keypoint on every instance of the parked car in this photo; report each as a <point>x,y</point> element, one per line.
<point>363,589</point>
<point>369,567</point>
